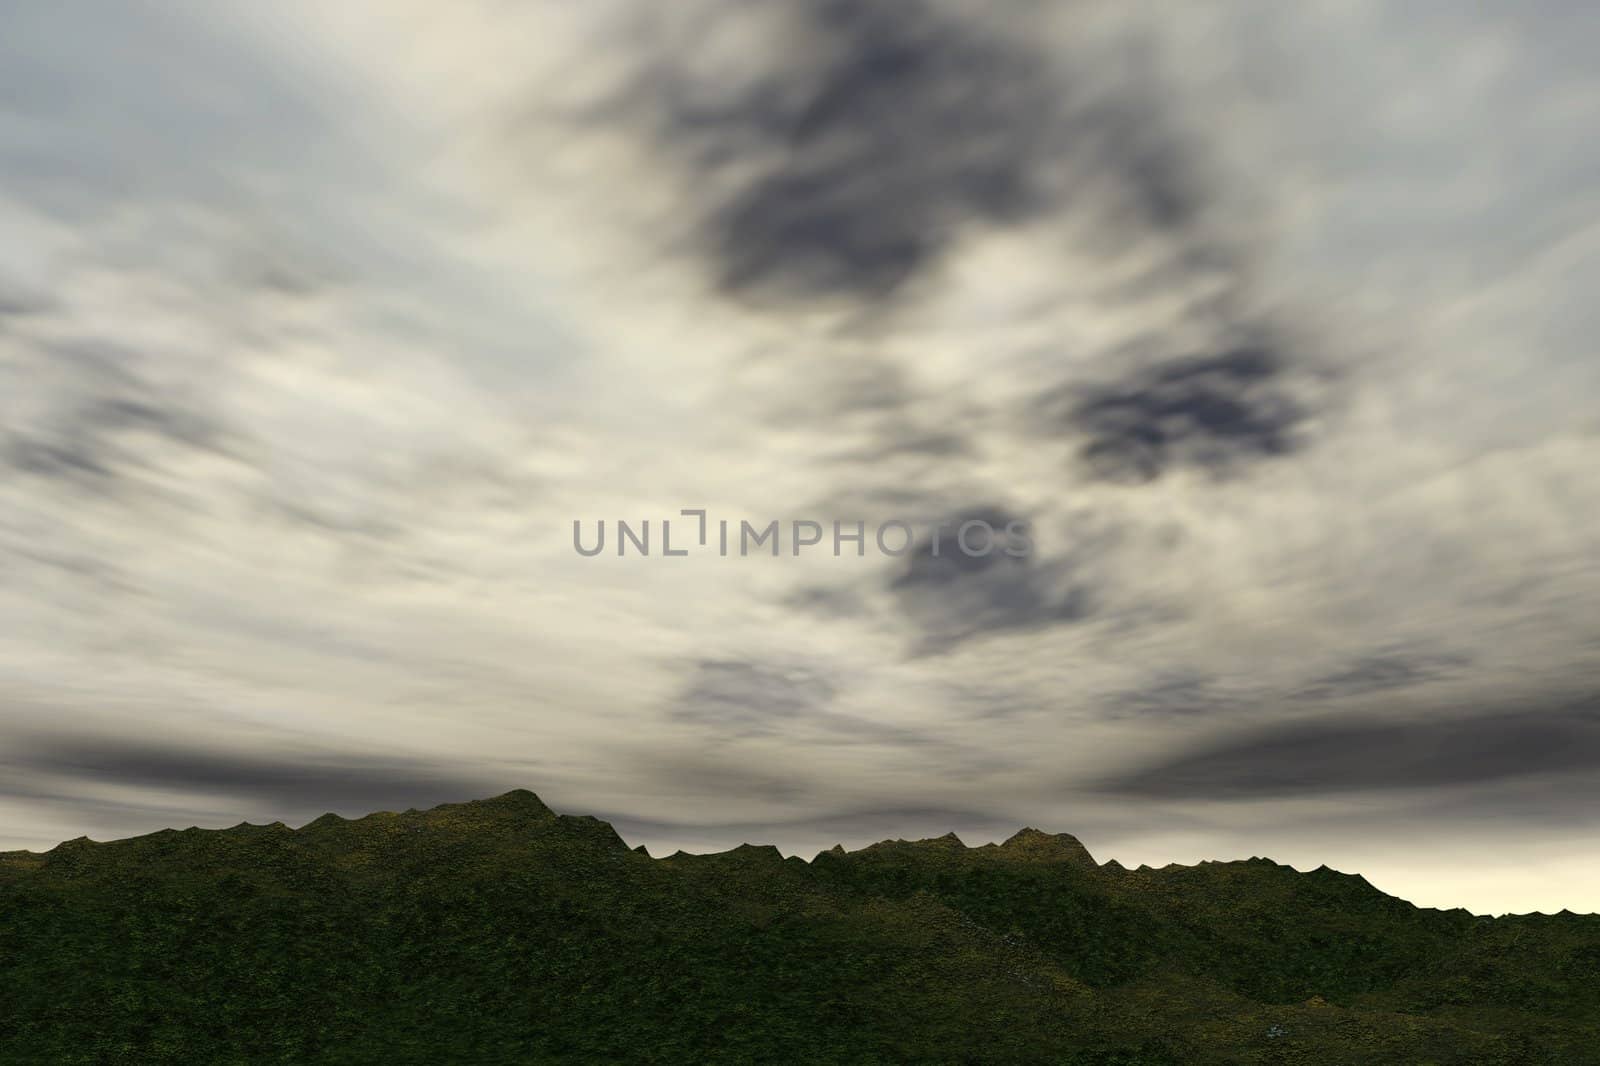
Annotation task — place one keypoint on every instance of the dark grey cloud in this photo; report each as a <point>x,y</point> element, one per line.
<point>59,459</point>
<point>892,127</point>
<point>1383,672</point>
<point>828,601</point>
<point>1176,693</point>
<point>739,697</point>
<point>1207,412</point>
<point>951,596</point>
<point>277,781</point>
<point>859,388</point>
<point>104,574</point>
<point>18,302</point>
<point>978,700</point>
<point>287,270</point>
<point>849,168</point>
<point>844,165</point>
<point>103,440</point>
<point>305,514</point>
<point>1328,756</point>
<point>900,442</point>
<point>846,168</point>
<point>888,420</point>
<point>109,424</point>
<point>709,774</point>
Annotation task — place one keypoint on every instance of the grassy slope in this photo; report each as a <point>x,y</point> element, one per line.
<point>499,931</point>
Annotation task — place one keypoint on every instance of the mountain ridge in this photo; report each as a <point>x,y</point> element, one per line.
<point>1027,841</point>
<point>499,930</point>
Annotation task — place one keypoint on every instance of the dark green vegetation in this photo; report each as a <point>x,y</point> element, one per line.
<point>499,932</point>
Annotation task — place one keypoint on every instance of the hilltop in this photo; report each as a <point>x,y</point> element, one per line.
<point>499,931</point>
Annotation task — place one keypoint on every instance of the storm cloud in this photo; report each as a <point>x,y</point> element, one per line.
<point>741,697</point>
<point>885,129</point>
<point>1353,755</point>
<point>275,780</point>
<point>994,584</point>
<point>1383,672</point>
<point>1213,413</point>
<point>849,166</point>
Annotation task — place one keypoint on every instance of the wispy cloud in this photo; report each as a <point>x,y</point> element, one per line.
<point>1271,323</point>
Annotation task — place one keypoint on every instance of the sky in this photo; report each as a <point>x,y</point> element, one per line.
<point>321,326</point>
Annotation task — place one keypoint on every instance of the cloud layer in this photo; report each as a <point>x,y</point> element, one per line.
<point>1270,324</point>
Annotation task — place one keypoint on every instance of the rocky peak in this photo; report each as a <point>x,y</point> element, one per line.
<point>1030,843</point>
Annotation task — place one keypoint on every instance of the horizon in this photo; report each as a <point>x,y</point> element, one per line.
<point>660,852</point>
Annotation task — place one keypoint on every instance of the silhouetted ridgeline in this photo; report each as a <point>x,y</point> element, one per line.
<point>501,932</point>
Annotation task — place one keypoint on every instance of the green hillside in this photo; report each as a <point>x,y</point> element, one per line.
<point>501,932</point>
